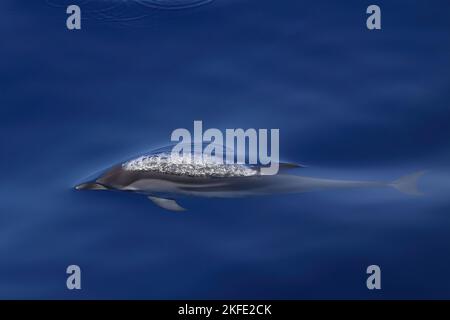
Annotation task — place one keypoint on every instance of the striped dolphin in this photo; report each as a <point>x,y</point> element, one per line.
<point>163,178</point>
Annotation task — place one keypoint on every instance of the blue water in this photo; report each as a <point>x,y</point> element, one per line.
<point>349,103</point>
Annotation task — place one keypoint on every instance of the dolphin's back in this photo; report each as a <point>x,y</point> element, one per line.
<point>163,172</point>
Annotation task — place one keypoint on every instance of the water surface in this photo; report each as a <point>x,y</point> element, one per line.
<point>351,104</point>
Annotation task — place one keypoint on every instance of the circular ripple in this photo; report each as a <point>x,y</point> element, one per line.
<point>125,12</point>
<point>171,4</point>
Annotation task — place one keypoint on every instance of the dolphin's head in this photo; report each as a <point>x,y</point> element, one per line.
<point>90,186</point>
<point>94,182</point>
<point>114,178</point>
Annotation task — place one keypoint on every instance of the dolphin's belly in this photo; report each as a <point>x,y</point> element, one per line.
<point>191,186</point>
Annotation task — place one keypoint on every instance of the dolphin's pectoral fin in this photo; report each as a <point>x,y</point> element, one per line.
<point>167,204</point>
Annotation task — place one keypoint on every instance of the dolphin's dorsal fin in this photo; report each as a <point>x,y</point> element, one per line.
<point>286,166</point>
<point>167,204</point>
<point>290,165</point>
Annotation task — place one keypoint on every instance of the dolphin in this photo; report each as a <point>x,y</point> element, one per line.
<point>164,178</point>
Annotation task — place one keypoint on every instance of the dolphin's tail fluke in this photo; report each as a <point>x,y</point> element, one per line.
<point>408,184</point>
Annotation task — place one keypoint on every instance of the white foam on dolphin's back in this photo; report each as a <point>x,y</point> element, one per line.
<point>168,163</point>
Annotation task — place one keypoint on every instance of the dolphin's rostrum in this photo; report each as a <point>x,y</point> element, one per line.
<point>162,178</point>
